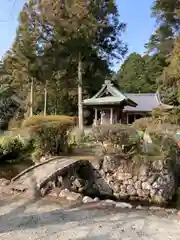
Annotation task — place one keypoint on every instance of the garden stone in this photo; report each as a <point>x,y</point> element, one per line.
<point>96,199</point>
<point>140,192</point>
<point>87,199</point>
<point>103,187</point>
<point>152,179</point>
<point>123,205</point>
<point>55,192</point>
<point>108,202</point>
<point>146,186</point>
<point>110,164</point>
<point>138,185</point>
<point>131,190</point>
<point>78,182</point>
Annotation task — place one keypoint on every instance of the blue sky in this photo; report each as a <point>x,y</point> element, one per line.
<point>136,14</point>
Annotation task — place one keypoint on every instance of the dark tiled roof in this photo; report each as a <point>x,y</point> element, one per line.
<point>145,102</point>
<point>116,97</point>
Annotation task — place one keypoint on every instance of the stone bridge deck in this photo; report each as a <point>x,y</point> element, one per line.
<point>38,175</point>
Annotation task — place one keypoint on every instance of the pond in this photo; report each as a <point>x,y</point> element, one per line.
<point>9,171</point>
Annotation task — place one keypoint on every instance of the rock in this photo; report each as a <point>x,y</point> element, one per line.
<point>55,192</point>
<point>135,178</point>
<point>171,210</point>
<point>87,199</point>
<point>64,192</point>
<point>123,205</point>
<point>143,178</point>
<point>157,165</point>
<point>128,182</point>
<point>120,176</point>
<point>156,185</point>
<point>123,194</point>
<point>155,208</point>
<point>146,186</point>
<point>108,202</point>
<point>66,183</point>
<point>128,176</point>
<point>138,185</point>
<point>71,196</point>
<point>78,182</point>
<point>143,170</point>
<point>44,190</point>
<point>152,179</point>
<point>97,164</point>
<point>4,182</point>
<point>139,207</point>
<point>110,163</point>
<point>131,190</point>
<point>153,192</point>
<point>140,192</point>
<point>103,187</point>
<point>96,199</point>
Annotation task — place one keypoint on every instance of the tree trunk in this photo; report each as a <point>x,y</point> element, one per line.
<point>80,104</point>
<point>31,97</point>
<point>45,99</point>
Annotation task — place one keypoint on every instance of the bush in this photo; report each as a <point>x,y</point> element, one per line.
<point>143,123</point>
<point>39,119</point>
<point>119,138</point>
<point>11,148</point>
<point>50,137</point>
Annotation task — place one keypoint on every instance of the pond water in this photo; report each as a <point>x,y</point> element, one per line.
<point>9,171</point>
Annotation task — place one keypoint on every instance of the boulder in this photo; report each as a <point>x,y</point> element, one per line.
<point>123,205</point>
<point>87,199</point>
<point>103,187</point>
<point>71,196</point>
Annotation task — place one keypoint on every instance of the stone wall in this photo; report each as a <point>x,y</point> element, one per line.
<point>117,177</point>
<point>149,181</point>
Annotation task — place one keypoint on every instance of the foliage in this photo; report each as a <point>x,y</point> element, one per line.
<point>49,38</point>
<point>40,119</point>
<point>49,134</point>
<point>138,74</point>
<point>143,123</point>
<point>119,138</point>
<point>169,82</point>
<point>51,138</point>
<point>14,149</point>
<point>167,15</point>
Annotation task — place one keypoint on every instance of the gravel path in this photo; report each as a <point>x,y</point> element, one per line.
<point>28,219</point>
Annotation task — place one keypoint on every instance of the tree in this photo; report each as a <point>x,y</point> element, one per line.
<point>22,58</point>
<point>169,82</point>
<point>138,74</point>
<point>85,27</point>
<point>167,14</point>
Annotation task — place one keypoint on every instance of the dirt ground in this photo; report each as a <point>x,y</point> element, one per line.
<point>25,218</point>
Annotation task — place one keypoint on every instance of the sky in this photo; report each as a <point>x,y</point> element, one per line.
<point>136,14</point>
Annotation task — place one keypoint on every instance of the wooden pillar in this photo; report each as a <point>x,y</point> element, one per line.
<point>95,116</point>
<point>101,113</point>
<point>111,116</point>
<point>127,118</point>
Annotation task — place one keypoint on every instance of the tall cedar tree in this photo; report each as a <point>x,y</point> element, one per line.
<point>82,28</point>
<point>22,58</point>
<point>167,14</point>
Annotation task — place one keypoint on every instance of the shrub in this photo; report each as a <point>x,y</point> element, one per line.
<point>50,137</point>
<point>10,148</point>
<point>143,123</point>
<point>39,119</point>
<point>119,138</point>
